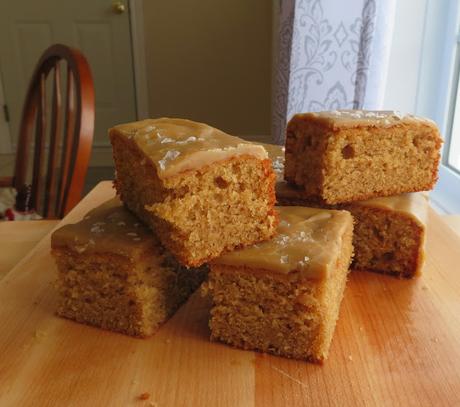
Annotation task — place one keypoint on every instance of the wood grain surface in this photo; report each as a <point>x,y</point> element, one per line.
<point>17,238</point>
<point>397,343</point>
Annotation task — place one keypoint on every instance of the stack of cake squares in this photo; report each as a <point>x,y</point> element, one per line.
<point>373,164</point>
<point>193,199</point>
<point>187,193</point>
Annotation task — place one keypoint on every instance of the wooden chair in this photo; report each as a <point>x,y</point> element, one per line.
<point>60,130</point>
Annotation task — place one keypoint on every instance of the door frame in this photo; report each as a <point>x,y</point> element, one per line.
<point>5,134</point>
<point>136,20</point>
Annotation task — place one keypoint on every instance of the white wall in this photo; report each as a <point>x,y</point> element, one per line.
<point>405,56</point>
<point>421,77</point>
<point>418,78</point>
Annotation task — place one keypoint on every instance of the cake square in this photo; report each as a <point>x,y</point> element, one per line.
<point>389,232</point>
<point>114,274</point>
<point>351,155</point>
<point>283,296</point>
<point>204,192</point>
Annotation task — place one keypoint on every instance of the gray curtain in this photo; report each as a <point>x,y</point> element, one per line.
<point>331,55</point>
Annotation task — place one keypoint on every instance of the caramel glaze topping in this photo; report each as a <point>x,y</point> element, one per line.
<point>177,145</point>
<point>359,118</point>
<point>413,205</point>
<point>107,228</point>
<point>308,241</point>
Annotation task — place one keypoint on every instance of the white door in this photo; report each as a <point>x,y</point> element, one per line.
<point>27,28</point>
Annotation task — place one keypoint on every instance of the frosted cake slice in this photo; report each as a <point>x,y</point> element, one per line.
<point>114,274</point>
<point>351,155</point>
<point>204,192</point>
<point>283,296</point>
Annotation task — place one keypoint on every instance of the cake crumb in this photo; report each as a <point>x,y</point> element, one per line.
<point>153,404</point>
<point>168,341</point>
<point>39,334</point>
<point>144,396</point>
<point>350,357</point>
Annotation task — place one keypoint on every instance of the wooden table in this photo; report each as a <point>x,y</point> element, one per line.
<point>397,343</point>
<point>453,221</point>
<point>17,238</point>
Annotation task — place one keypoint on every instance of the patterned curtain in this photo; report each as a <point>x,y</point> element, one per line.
<point>331,55</point>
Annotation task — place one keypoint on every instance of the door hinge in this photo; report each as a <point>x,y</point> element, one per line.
<point>6,113</point>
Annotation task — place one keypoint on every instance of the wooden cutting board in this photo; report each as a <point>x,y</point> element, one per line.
<point>397,343</point>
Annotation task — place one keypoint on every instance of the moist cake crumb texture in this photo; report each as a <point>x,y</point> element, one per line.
<point>346,156</point>
<point>280,296</point>
<point>113,273</point>
<point>203,192</point>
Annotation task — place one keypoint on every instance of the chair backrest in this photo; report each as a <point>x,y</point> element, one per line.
<point>60,129</point>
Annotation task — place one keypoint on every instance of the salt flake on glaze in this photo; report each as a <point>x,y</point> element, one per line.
<point>164,140</point>
<point>80,248</point>
<point>169,156</point>
<point>282,240</point>
<point>284,224</point>
<point>278,164</point>
<point>96,229</point>
<point>398,115</point>
<point>336,113</point>
<point>284,259</point>
<point>319,216</point>
<point>303,263</point>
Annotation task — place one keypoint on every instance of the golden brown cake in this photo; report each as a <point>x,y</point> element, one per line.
<point>389,232</point>
<point>203,191</point>
<point>114,274</point>
<point>351,155</point>
<point>283,296</point>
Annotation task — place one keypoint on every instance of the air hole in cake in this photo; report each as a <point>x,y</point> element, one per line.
<point>308,142</point>
<point>221,183</point>
<point>377,233</point>
<point>388,256</point>
<point>290,134</point>
<point>348,152</point>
